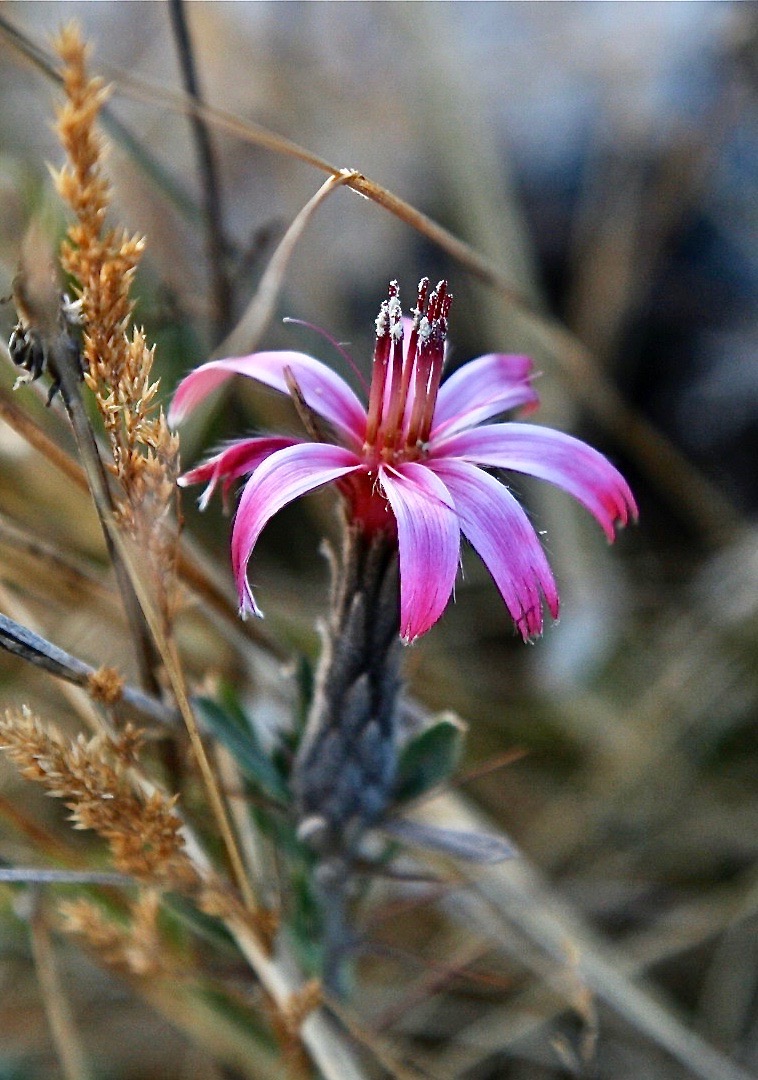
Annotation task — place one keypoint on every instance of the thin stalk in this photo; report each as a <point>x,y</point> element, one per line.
<point>256,317</point>
<point>66,371</point>
<point>175,674</point>
<point>206,160</point>
<point>29,646</point>
<point>62,1028</point>
<point>32,875</point>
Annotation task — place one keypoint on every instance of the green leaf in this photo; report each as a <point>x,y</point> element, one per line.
<point>188,917</point>
<point>232,729</point>
<point>229,700</point>
<point>431,758</point>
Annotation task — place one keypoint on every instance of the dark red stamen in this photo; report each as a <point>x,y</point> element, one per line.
<point>405,382</point>
<point>431,356</point>
<point>378,373</point>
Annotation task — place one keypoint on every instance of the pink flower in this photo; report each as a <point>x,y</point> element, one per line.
<point>412,462</point>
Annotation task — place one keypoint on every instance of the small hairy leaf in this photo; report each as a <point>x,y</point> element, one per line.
<point>232,729</point>
<point>430,758</point>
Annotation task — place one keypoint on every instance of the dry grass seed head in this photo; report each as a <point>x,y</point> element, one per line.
<point>144,832</point>
<point>102,933</point>
<point>133,945</point>
<point>104,262</point>
<point>106,685</point>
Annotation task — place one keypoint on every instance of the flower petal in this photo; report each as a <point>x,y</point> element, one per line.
<point>496,525</point>
<point>322,389</point>
<point>485,387</point>
<point>239,459</point>
<point>429,541</point>
<point>280,479</point>
<point>550,455</point>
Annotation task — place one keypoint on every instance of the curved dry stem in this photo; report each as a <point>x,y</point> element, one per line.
<point>254,321</point>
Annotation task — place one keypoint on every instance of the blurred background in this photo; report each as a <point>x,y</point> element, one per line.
<point>603,157</point>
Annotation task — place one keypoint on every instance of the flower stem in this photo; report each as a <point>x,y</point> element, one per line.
<point>345,767</point>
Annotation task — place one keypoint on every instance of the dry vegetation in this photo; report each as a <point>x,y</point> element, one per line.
<point>140,935</point>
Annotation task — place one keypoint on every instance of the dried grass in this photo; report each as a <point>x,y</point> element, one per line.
<point>92,777</point>
<point>622,942</point>
<point>118,361</point>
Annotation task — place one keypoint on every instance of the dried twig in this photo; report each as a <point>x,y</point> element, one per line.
<point>31,647</point>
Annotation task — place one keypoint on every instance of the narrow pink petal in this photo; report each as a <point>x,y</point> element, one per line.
<point>280,479</point>
<point>495,525</point>
<point>429,541</point>
<point>323,390</point>
<point>481,389</point>
<point>239,459</point>
<point>550,455</point>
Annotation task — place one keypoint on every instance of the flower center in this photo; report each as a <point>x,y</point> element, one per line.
<point>406,375</point>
